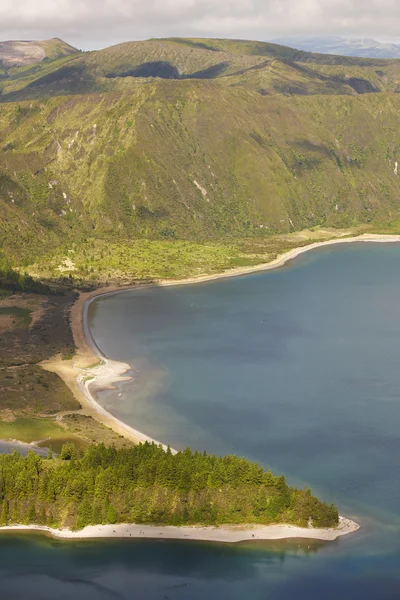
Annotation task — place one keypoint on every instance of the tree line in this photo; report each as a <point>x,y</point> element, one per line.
<point>145,484</point>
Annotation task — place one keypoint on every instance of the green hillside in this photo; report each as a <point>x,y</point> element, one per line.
<point>205,142</point>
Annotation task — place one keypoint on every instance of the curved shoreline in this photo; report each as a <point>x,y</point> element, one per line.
<point>108,372</point>
<point>222,534</point>
<point>105,376</point>
<point>91,367</point>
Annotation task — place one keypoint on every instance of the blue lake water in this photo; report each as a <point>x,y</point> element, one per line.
<point>7,446</point>
<point>297,368</point>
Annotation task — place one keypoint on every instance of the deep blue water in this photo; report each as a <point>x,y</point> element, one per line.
<point>297,368</point>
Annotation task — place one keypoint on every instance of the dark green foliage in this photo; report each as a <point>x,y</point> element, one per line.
<point>19,282</point>
<point>145,484</point>
<point>69,452</point>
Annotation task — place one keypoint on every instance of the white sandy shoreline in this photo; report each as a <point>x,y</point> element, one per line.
<point>223,534</point>
<point>109,372</point>
<point>104,376</point>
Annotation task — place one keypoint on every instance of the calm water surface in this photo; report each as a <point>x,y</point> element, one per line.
<point>6,447</point>
<point>298,369</point>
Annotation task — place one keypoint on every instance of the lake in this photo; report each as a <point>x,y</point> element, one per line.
<point>296,368</point>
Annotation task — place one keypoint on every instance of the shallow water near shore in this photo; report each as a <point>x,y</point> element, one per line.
<point>297,368</point>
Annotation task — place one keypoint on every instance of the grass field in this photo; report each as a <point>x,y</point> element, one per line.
<point>46,432</point>
<point>92,431</point>
<point>99,260</point>
<point>31,430</point>
<point>81,429</point>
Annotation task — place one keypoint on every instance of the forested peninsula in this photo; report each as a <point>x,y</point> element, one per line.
<point>145,484</point>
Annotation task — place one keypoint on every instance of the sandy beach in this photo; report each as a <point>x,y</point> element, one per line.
<point>104,377</point>
<point>223,534</point>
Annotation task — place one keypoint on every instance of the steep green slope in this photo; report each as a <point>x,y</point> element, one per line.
<point>192,160</point>
<point>196,140</point>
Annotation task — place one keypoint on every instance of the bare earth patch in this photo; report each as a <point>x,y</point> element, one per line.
<point>66,265</point>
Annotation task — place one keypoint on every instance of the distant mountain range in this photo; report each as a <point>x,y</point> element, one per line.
<point>363,47</point>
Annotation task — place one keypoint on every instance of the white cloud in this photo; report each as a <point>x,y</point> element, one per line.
<point>95,23</point>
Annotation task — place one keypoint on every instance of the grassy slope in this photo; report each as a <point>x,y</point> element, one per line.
<point>56,48</point>
<point>131,165</point>
<point>194,159</point>
<point>35,403</point>
<point>271,50</point>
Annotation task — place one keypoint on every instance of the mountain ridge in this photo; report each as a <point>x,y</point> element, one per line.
<point>263,67</point>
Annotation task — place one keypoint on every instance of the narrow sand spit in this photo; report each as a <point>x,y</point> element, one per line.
<point>226,533</point>
<point>104,377</point>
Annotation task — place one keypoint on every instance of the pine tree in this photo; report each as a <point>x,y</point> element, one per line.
<point>31,516</point>
<point>85,514</point>
<point>145,484</point>
<point>4,512</point>
<point>112,515</point>
<point>43,517</point>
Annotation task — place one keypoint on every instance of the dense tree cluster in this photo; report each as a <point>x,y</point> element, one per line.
<point>146,484</point>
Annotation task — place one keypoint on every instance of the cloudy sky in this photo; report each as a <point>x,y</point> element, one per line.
<point>94,24</point>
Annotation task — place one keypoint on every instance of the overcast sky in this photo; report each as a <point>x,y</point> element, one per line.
<point>94,24</point>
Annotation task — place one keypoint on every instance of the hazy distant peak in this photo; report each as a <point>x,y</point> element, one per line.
<point>363,47</point>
